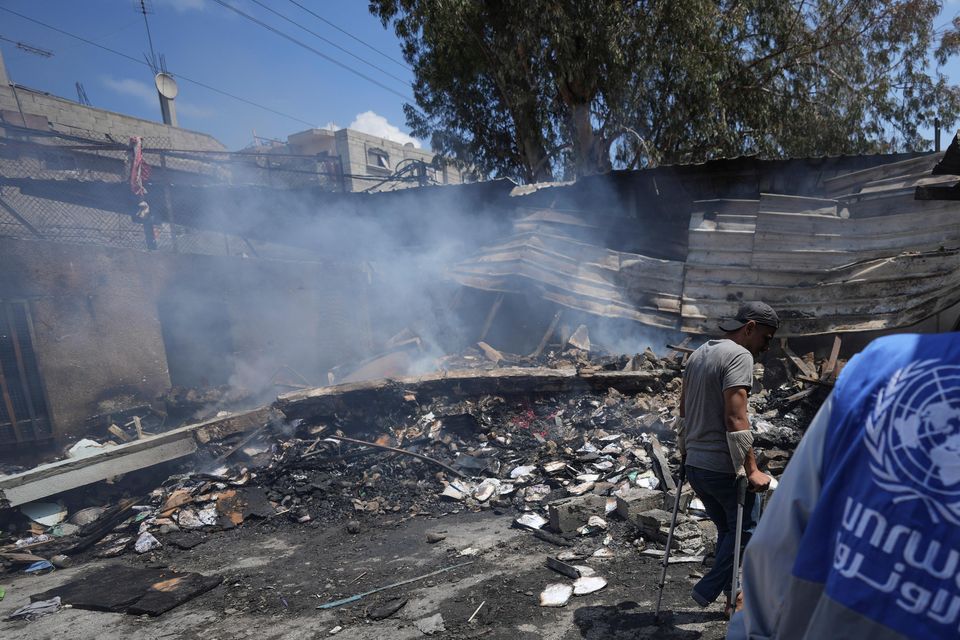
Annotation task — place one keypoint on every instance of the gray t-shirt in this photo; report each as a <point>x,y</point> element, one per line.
<point>714,367</point>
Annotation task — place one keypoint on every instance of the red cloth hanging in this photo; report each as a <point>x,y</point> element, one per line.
<point>139,169</point>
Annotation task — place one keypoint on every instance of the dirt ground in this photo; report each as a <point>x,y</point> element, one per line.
<point>276,573</point>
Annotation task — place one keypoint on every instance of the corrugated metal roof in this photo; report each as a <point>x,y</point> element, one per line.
<point>862,254</point>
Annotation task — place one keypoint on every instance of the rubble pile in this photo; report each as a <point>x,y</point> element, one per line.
<point>566,455</point>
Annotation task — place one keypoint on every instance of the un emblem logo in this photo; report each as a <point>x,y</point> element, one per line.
<point>913,436</point>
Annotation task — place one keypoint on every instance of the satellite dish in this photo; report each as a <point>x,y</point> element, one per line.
<point>166,85</point>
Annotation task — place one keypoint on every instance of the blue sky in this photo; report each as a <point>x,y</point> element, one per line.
<point>207,42</point>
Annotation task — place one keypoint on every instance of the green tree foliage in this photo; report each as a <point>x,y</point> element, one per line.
<point>535,89</point>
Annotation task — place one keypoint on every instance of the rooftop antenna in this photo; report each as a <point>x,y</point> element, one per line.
<point>145,9</point>
<point>166,86</point>
<point>82,95</point>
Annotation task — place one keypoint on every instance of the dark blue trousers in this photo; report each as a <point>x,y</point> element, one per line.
<point>718,492</point>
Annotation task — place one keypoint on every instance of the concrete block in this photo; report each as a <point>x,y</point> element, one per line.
<point>636,500</point>
<point>655,525</point>
<point>652,523</point>
<point>685,497</point>
<point>708,532</point>
<point>569,514</point>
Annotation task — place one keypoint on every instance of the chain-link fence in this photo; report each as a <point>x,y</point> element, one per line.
<point>69,189</point>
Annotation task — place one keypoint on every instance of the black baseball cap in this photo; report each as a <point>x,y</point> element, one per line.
<point>759,312</point>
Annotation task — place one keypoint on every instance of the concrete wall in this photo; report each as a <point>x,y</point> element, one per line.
<point>72,118</point>
<point>97,321</point>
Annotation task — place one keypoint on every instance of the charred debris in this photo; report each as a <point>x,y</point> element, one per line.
<point>574,445</point>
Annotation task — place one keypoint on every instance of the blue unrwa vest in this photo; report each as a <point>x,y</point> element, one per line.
<point>884,537</point>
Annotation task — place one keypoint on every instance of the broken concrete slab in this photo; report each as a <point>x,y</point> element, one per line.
<point>430,625</point>
<point>655,525</point>
<point>660,465</point>
<point>57,477</point>
<point>569,514</point>
<point>635,500</point>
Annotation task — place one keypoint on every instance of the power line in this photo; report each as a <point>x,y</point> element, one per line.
<point>350,35</point>
<point>263,24</point>
<point>144,63</point>
<point>331,43</point>
<point>23,46</point>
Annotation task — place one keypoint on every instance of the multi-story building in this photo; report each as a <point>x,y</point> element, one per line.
<point>364,162</point>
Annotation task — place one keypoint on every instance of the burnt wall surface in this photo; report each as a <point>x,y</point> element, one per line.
<point>98,341</point>
<point>113,328</point>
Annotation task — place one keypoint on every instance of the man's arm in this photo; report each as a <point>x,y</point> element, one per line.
<point>735,417</point>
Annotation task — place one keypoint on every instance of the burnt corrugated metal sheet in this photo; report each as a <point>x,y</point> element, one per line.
<point>556,254</point>
<point>862,254</point>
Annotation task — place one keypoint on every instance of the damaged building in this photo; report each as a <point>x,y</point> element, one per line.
<point>200,345</point>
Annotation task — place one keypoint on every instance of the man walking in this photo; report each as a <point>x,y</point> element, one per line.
<point>862,537</point>
<point>716,431</point>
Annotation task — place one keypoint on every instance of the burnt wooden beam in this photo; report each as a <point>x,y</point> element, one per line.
<point>327,401</point>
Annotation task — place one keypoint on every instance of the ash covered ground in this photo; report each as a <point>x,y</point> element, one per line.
<point>291,517</point>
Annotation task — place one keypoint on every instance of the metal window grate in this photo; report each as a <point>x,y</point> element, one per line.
<point>23,408</point>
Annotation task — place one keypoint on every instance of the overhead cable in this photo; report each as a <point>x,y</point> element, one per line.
<point>286,36</point>
<point>330,42</point>
<point>144,63</point>
<point>350,35</point>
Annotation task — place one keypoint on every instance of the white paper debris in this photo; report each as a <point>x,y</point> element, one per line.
<point>585,571</point>
<point>86,447</point>
<point>584,585</point>
<point>523,471</point>
<point>531,521</point>
<point>187,519</point>
<point>554,467</point>
<point>208,516</point>
<point>604,553</point>
<point>580,489</point>
<point>453,493</point>
<point>486,489</point>
<point>556,595</point>
<point>537,492</point>
<point>146,542</point>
